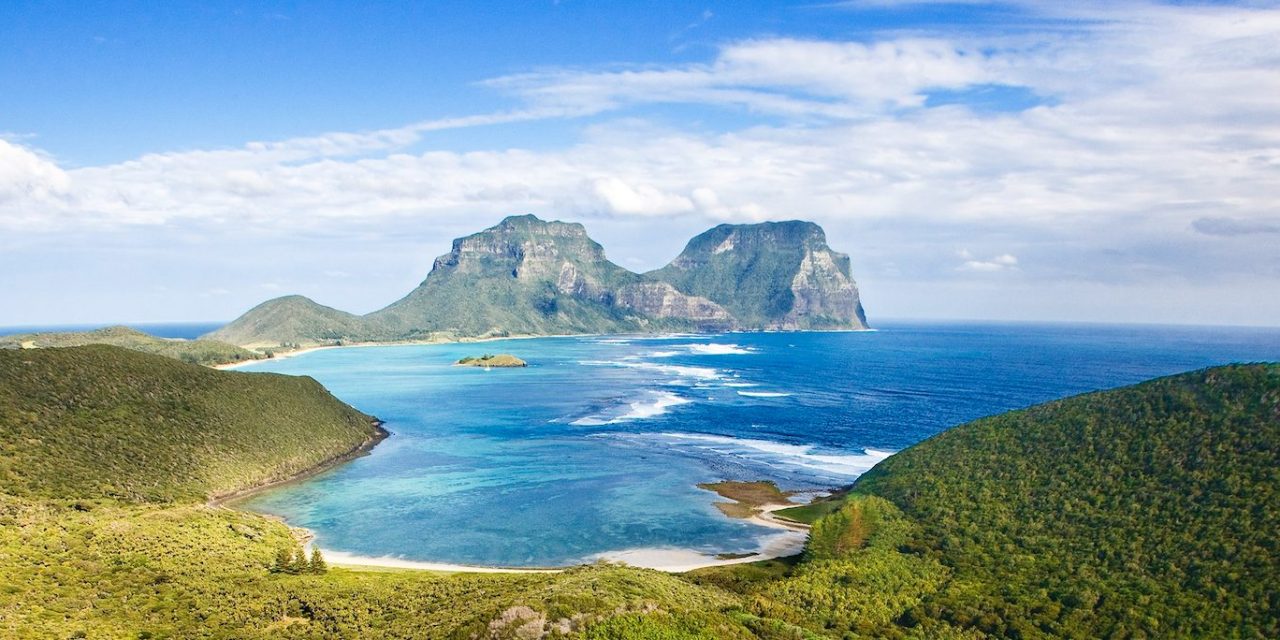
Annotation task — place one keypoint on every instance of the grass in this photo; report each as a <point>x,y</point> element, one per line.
<point>809,513</point>
<point>205,352</point>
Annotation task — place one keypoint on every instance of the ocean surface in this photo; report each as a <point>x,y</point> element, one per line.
<point>597,446</point>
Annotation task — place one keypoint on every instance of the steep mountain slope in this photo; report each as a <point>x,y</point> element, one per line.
<point>772,275</point>
<point>207,352</point>
<point>104,422</point>
<point>533,277</point>
<point>292,320</point>
<point>527,276</point>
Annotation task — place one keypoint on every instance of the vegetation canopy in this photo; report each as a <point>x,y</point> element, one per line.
<point>1143,512</point>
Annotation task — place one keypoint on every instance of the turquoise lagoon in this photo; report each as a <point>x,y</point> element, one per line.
<point>597,446</point>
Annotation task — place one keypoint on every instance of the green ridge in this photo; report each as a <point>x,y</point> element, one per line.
<point>206,351</point>
<point>103,422</point>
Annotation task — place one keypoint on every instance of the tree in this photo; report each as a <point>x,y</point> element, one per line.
<point>283,562</point>
<point>318,564</point>
<point>300,564</point>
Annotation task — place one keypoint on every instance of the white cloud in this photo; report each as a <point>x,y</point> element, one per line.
<point>1158,119</point>
<point>27,181</point>
<point>777,76</point>
<point>621,197</point>
<point>1001,262</point>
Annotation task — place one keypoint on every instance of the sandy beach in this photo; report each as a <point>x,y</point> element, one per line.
<point>280,355</point>
<point>789,541</point>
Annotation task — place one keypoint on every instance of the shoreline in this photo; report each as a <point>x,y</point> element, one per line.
<point>789,540</point>
<point>363,449</point>
<point>280,355</point>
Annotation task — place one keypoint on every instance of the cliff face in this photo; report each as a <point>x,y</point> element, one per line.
<point>661,300</point>
<point>773,276</point>
<point>527,276</point>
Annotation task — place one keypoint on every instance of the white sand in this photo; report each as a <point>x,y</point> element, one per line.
<point>778,545</point>
<point>342,559</point>
<point>280,355</point>
<point>789,541</point>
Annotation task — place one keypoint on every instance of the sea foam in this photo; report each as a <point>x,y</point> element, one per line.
<point>763,394</point>
<point>780,453</point>
<point>654,404</point>
<point>716,349</point>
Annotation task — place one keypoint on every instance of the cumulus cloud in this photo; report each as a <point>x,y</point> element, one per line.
<point>27,181</point>
<point>1157,121</point>
<point>1001,262</point>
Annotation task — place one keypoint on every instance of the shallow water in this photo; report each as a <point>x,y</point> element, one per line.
<point>597,445</point>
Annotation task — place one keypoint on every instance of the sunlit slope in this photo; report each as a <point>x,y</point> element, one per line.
<point>105,422</point>
<point>1148,510</point>
<point>206,351</point>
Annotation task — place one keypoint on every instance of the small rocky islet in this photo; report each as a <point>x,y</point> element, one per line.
<point>502,360</point>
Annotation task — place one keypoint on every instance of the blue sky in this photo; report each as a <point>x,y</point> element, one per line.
<point>1018,160</point>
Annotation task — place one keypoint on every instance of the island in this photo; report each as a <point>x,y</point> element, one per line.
<point>502,360</point>
<point>527,276</point>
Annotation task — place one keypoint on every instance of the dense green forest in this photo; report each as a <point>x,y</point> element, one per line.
<point>1148,511</point>
<point>206,352</point>
<point>1145,512</point>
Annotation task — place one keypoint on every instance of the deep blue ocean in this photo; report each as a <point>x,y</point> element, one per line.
<point>597,446</point>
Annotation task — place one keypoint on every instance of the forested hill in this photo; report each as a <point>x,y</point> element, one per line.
<point>1147,511</point>
<point>105,422</point>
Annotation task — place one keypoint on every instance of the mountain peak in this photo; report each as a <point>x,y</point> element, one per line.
<point>770,275</point>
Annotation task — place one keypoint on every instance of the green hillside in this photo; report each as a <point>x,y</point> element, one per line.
<point>104,422</point>
<point>1148,511</point>
<point>206,352</point>
<point>293,320</point>
<point>1144,512</point>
